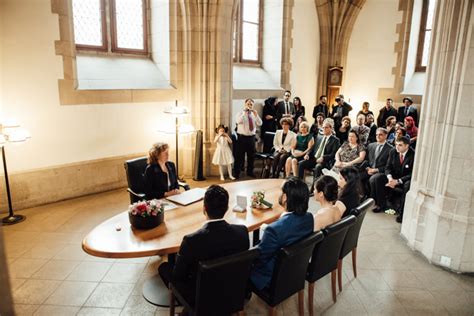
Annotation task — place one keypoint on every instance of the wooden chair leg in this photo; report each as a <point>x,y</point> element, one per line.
<point>310,298</point>
<point>171,303</point>
<point>339,274</point>
<point>354,261</point>
<point>272,311</point>
<point>301,302</point>
<point>333,285</point>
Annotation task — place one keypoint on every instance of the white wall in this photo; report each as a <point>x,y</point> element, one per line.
<point>60,134</point>
<point>371,54</point>
<point>305,53</point>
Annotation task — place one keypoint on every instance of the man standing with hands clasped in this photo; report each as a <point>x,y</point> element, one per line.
<point>247,122</point>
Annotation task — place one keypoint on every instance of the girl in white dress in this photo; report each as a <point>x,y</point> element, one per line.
<point>223,154</point>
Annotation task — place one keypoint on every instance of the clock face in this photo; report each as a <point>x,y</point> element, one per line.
<point>335,78</point>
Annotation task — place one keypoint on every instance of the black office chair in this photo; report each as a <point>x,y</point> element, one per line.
<point>289,273</point>
<point>220,287</point>
<point>266,155</point>
<point>352,237</point>
<point>135,168</point>
<point>325,256</point>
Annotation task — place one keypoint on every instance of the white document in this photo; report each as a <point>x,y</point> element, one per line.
<point>188,197</point>
<point>241,205</point>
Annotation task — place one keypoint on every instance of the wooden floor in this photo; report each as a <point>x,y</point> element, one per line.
<point>51,275</point>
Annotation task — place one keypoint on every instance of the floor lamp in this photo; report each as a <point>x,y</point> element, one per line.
<point>182,129</point>
<point>11,133</point>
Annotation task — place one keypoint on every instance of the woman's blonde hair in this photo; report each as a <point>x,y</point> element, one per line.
<point>155,151</point>
<point>304,124</point>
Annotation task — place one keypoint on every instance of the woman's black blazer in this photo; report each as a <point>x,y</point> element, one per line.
<point>156,181</point>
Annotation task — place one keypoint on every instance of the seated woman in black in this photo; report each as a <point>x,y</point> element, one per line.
<point>349,190</point>
<point>160,174</point>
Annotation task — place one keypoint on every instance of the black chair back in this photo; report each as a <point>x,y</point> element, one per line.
<point>352,236</point>
<point>290,268</point>
<point>222,284</point>
<point>268,142</point>
<point>135,168</point>
<point>326,253</point>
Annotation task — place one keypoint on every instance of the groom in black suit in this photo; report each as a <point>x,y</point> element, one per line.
<point>397,174</point>
<point>215,239</point>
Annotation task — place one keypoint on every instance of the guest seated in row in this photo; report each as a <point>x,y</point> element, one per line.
<point>298,121</point>
<point>343,130</point>
<point>411,128</point>
<point>326,192</point>
<point>322,155</point>
<point>349,190</point>
<point>302,146</point>
<point>282,143</point>
<point>351,153</point>
<point>296,223</point>
<point>391,125</point>
<point>370,122</point>
<point>317,127</point>
<point>377,156</point>
<point>362,130</point>
<point>400,131</point>
<point>215,239</point>
<point>160,176</point>
<point>397,174</point>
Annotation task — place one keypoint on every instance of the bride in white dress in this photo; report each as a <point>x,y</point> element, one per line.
<point>223,154</point>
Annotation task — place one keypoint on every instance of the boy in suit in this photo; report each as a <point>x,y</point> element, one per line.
<point>215,239</point>
<point>292,226</point>
<point>397,174</point>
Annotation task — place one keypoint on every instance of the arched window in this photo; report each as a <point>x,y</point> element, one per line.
<point>247,37</point>
<point>424,38</point>
<point>126,28</point>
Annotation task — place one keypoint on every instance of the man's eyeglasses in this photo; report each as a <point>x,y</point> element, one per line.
<point>287,95</point>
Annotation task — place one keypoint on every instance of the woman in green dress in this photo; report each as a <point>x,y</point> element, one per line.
<point>303,144</point>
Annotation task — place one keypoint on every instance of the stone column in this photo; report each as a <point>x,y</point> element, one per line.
<point>439,209</point>
<point>204,33</point>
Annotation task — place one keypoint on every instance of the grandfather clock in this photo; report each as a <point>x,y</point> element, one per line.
<point>334,83</point>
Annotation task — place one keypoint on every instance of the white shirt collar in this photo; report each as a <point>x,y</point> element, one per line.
<point>215,220</point>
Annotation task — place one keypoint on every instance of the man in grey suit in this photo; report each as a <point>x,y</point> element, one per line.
<point>285,108</point>
<point>377,157</point>
<point>323,152</point>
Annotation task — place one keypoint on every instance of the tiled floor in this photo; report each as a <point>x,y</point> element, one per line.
<point>51,275</point>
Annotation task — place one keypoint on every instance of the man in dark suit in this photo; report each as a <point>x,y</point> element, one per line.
<point>322,107</point>
<point>323,152</point>
<point>385,112</point>
<point>407,109</point>
<point>295,224</point>
<point>285,108</point>
<point>340,110</point>
<point>397,174</point>
<point>215,239</point>
<point>377,158</point>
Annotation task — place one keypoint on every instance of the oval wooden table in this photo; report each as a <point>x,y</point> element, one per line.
<point>107,241</point>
